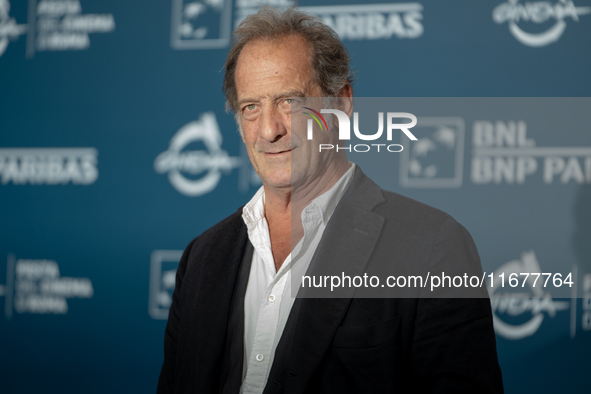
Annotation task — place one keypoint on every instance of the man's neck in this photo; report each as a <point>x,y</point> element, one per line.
<point>281,205</point>
<point>303,195</point>
<point>288,201</point>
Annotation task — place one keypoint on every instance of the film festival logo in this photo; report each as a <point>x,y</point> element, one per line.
<point>523,309</point>
<point>163,267</point>
<point>9,29</point>
<point>35,286</point>
<point>436,159</point>
<point>207,24</point>
<point>547,19</point>
<point>61,26</point>
<point>56,25</point>
<point>182,166</point>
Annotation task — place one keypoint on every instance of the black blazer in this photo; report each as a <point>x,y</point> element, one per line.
<point>338,345</point>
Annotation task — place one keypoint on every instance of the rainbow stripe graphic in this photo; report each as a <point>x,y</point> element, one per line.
<point>316,119</point>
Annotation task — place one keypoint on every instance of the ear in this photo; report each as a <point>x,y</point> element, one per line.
<point>346,99</point>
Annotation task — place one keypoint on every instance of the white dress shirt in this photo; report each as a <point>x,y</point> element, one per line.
<point>268,299</point>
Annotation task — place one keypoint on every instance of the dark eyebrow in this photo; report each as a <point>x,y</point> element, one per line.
<point>293,93</point>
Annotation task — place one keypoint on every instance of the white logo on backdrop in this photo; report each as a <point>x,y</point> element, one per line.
<point>48,166</point>
<point>538,302</point>
<point>504,154</point>
<point>437,158</point>
<point>201,24</point>
<point>9,29</point>
<point>372,21</point>
<point>191,12</point>
<point>208,23</point>
<point>539,12</point>
<point>37,287</point>
<point>53,25</point>
<point>61,26</point>
<point>163,266</point>
<point>212,161</point>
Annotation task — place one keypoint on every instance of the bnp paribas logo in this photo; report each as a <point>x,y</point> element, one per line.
<point>202,24</point>
<point>539,23</point>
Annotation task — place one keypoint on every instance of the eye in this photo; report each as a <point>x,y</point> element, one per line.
<point>290,104</point>
<point>251,111</point>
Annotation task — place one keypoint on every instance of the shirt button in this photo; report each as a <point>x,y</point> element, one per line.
<point>260,357</point>
<point>271,297</point>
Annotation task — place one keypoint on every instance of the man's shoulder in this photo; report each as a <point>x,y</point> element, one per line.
<point>228,227</point>
<point>401,212</point>
<point>406,208</point>
<point>419,221</point>
<point>219,238</point>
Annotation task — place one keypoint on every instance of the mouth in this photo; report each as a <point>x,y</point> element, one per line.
<point>278,153</point>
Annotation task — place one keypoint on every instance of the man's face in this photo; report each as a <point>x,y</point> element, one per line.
<point>269,74</point>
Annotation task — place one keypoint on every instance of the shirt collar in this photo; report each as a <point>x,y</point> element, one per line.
<point>254,211</point>
<point>327,202</point>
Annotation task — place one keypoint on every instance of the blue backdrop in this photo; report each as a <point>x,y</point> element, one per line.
<point>115,151</point>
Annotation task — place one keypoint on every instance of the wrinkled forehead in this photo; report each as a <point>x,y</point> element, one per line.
<point>284,55</point>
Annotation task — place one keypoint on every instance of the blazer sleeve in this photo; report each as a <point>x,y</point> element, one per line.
<point>454,346</point>
<point>166,382</point>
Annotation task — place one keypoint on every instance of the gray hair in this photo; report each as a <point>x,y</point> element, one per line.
<point>329,60</point>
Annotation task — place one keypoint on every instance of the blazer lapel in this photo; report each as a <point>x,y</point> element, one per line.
<point>210,288</point>
<point>346,245</point>
<point>234,349</point>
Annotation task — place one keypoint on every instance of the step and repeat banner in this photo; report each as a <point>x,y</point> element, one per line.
<point>116,151</point>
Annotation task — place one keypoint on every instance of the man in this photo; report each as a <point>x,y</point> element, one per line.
<point>234,326</point>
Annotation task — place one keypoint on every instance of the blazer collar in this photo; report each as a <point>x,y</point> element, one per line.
<point>363,192</point>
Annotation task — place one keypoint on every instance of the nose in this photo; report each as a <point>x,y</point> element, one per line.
<point>273,126</point>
